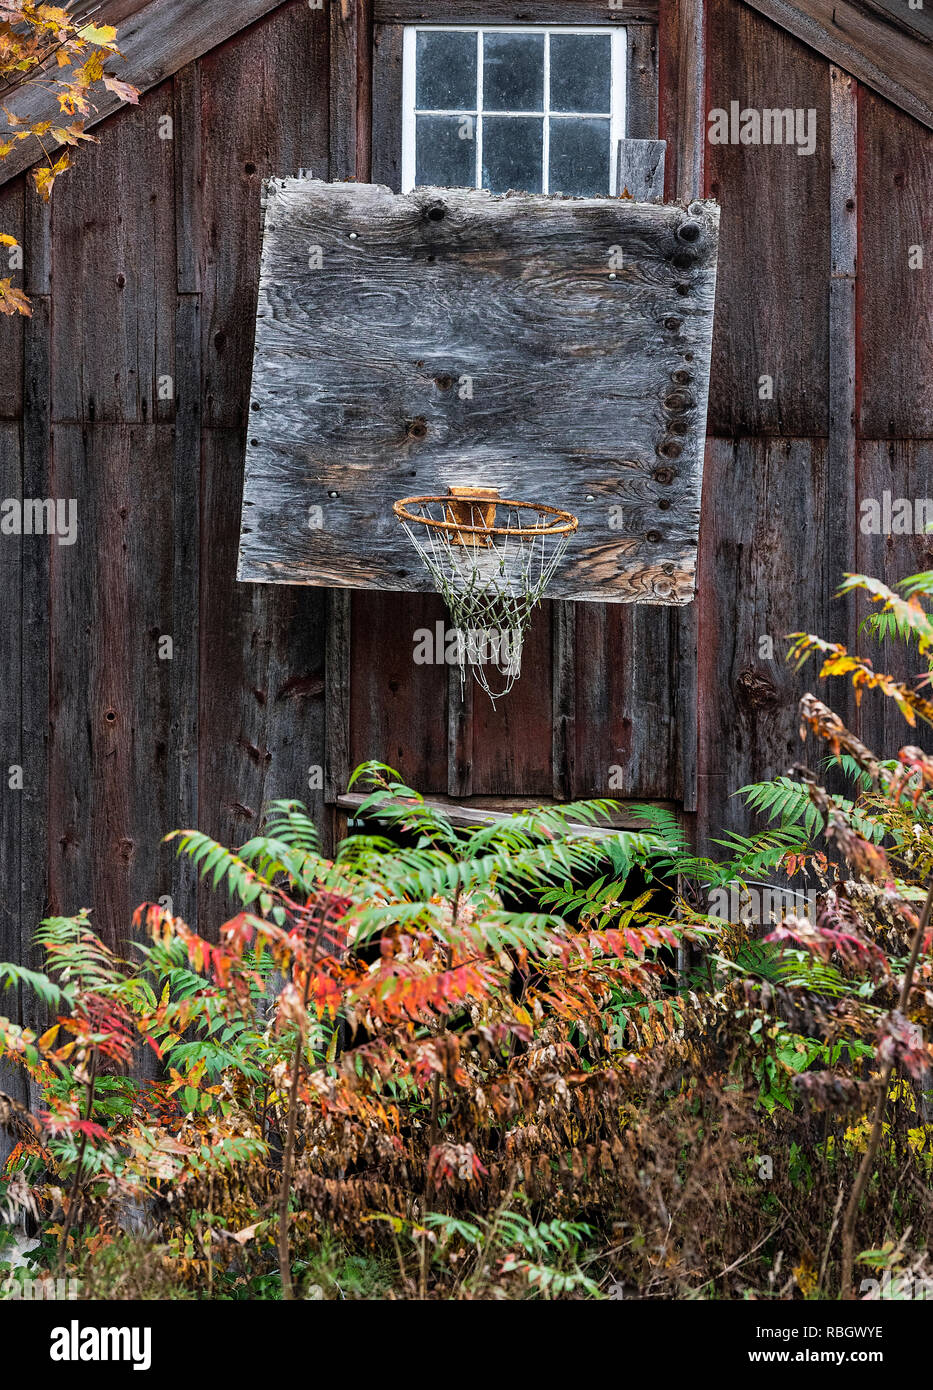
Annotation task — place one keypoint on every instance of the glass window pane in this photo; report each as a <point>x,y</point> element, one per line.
<point>513,72</point>
<point>581,72</point>
<point>580,158</point>
<point>446,72</point>
<point>445,151</point>
<point>513,150</point>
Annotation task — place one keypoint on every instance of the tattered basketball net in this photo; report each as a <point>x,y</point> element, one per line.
<point>492,560</point>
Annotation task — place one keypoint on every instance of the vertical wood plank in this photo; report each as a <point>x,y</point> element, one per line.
<point>511,747</point>
<point>110,693</point>
<point>351,106</point>
<point>682,106</point>
<point>460,696</point>
<point>13,939</point>
<point>642,82</point>
<point>12,213</point>
<point>772,261</point>
<point>895,292</point>
<point>188,177</point>
<point>396,708</point>
<point>261,676</point>
<point>904,468</point>
<point>277,124</point>
<point>840,454</point>
<point>337,767</point>
<point>563,699</point>
<point>388,43</point>
<point>115,266</point>
<point>764,576</point>
<point>36,590</point>
<point>262,654</point>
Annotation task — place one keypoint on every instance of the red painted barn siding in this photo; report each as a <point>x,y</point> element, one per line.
<point>147,267</point>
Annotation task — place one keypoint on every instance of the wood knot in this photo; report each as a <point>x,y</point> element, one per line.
<point>756,690</point>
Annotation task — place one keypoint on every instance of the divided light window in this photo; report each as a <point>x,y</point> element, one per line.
<point>532,109</point>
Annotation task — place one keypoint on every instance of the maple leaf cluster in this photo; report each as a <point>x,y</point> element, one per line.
<point>43,46</point>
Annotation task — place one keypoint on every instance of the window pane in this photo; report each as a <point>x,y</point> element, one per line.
<point>446,71</point>
<point>581,72</point>
<point>580,158</point>
<point>513,72</point>
<point>513,148</point>
<point>446,151</point>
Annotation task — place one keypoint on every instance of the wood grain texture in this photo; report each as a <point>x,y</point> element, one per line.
<point>262,653</point>
<point>513,12</point>
<point>262,677</point>
<point>903,468</point>
<point>12,636</point>
<point>109,692</point>
<point>397,709</point>
<point>895,301</point>
<point>280,66</point>
<point>626,678</point>
<point>12,213</point>
<point>115,274</point>
<point>511,748</point>
<point>682,78</point>
<point>388,62</point>
<point>357,364</point>
<point>641,92</point>
<point>890,57</point>
<point>843,344</point>
<point>770,306</point>
<point>485,810</point>
<point>156,40</point>
<point>640,170</point>
<point>762,575</point>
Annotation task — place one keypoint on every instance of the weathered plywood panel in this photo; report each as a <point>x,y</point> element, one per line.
<point>583,327</point>
<point>774,254</point>
<point>895,284</point>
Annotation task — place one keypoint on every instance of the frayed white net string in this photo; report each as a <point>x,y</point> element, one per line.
<point>490,583</point>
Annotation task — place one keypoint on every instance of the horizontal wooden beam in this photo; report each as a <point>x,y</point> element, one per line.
<point>156,42</point>
<point>488,810</point>
<point>867,43</point>
<point>515,12</point>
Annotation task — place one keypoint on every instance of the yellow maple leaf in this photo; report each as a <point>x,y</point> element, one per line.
<point>104,35</point>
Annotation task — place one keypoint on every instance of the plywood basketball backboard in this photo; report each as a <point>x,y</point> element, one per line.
<point>556,349</point>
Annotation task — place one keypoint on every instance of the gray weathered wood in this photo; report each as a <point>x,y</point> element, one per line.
<point>586,379</point>
<point>641,169</point>
<point>894,60</point>
<point>513,11</point>
<point>641,91</point>
<point>155,42</point>
<point>841,445</point>
<point>493,811</point>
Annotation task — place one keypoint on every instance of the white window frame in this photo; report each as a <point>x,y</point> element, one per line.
<point>617,33</point>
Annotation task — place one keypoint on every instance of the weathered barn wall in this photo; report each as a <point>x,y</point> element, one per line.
<point>816,291</point>
<point>146,268</point>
